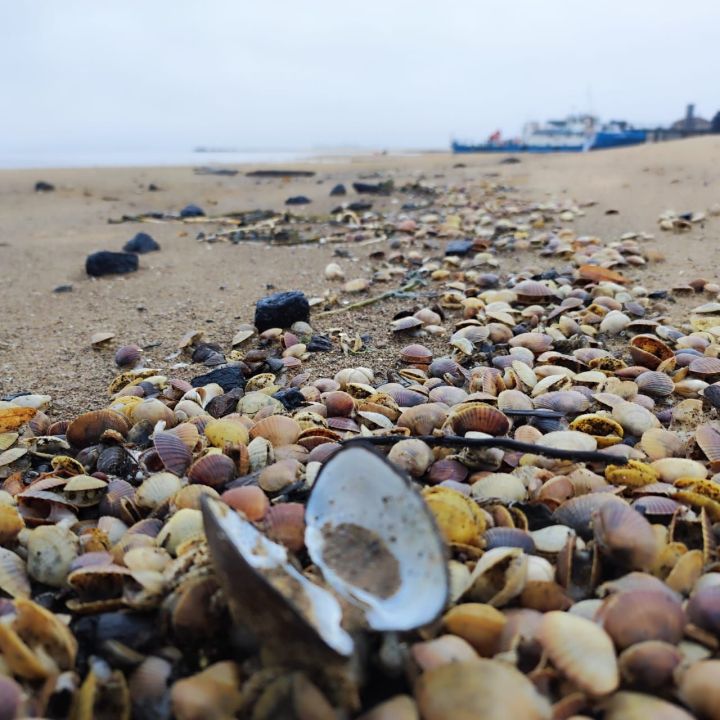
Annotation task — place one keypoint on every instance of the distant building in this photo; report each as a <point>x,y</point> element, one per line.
<point>691,122</point>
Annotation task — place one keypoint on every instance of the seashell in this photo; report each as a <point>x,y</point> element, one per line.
<point>641,615</point>
<point>227,432</point>
<point>213,694</point>
<point>157,489</point>
<point>655,504</point>
<point>479,624</point>
<point>51,551</point>
<point>530,292</point>
<point>446,469</point>
<point>249,500</point>
<point>154,411</point>
<point>11,523</point>
<point>537,342</point>
<point>605,430</point>
<point>441,651</point>
<point>502,487</point>
<point>14,580</point>
<point>577,512</point>
<point>382,518</point>
<point>509,537</point>
<point>514,400</point>
<point>625,536</point>
<point>552,539</point>
<point>128,356</point>
<point>84,490</point>
<point>182,526</point>
<point>12,699</point>
<point>213,469</point>
<point>698,688</point>
<point>636,706</point>
<point>655,383</point>
<point>413,456</point>
<point>658,443</point>
<point>339,403</point>
<point>260,453</point>
<point>580,650</point>
<point>477,417</point>
<point>479,689</point>
<point>568,402</point>
<point>649,351</point>
<point>703,608</point>
<point>459,519</point>
<point>285,524</point>
<point>278,476</point>
<point>707,438</point>
<point>416,354</point>
<point>499,576</point>
<point>190,496</point>
<point>650,664</point>
<point>87,429</point>
<point>672,469</point>
<point>634,474</point>
<point>634,418</point>
<point>686,572</point>
<point>173,452</point>
<point>706,367</point>
<point>423,419</point>
<point>278,429</point>
<point>569,440</point>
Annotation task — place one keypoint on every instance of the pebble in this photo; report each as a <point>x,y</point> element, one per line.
<point>459,247</point>
<point>192,211</point>
<point>42,186</point>
<point>281,310</point>
<point>63,289</point>
<point>106,262</point>
<point>338,190</point>
<point>298,200</point>
<point>141,243</point>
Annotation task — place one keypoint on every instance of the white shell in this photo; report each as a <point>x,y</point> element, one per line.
<point>357,488</point>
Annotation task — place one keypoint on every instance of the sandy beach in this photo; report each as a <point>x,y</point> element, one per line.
<point>45,336</point>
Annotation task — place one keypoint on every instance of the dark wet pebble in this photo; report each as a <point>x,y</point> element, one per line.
<point>106,262</point>
<point>291,398</point>
<point>658,295</point>
<point>141,243</point>
<point>360,206</point>
<point>192,211</point>
<point>381,188</point>
<point>224,404</point>
<point>712,394</point>
<point>488,280</point>
<point>281,310</point>
<point>63,289</point>
<point>205,350</point>
<point>152,187</point>
<point>227,378</point>
<point>298,200</point>
<point>510,161</point>
<point>339,189</point>
<point>320,343</point>
<point>42,186</point>
<point>459,247</point>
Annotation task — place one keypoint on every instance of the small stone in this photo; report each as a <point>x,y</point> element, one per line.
<point>510,160</point>
<point>298,200</point>
<point>320,343</point>
<point>106,262</point>
<point>291,398</point>
<point>339,189</point>
<point>459,247</point>
<point>42,186</point>
<point>191,210</point>
<point>63,289</point>
<point>381,188</point>
<point>141,243</point>
<point>227,378</point>
<point>360,206</point>
<point>152,187</point>
<point>281,310</point>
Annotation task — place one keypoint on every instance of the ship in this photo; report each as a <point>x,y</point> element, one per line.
<point>576,133</point>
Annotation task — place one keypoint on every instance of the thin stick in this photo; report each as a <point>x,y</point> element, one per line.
<point>492,442</point>
<point>412,285</point>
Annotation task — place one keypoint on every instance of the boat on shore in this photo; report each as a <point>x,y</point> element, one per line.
<point>576,133</point>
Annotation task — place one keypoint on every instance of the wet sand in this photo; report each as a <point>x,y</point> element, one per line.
<point>44,239</point>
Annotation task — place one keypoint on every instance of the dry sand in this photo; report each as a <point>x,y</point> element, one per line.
<point>44,239</point>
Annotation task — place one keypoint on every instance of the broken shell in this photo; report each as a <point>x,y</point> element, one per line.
<point>84,490</point>
<point>285,524</point>
<point>499,576</point>
<point>87,429</point>
<point>399,576</point>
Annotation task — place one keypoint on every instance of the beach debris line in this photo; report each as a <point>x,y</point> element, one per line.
<point>533,533</point>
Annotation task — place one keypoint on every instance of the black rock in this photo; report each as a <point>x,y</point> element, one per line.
<point>106,262</point>
<point>42,186</point>
<point>227,378</point>
<point>224,404</point>
<point>510,161</point>
<point>319,343</point>
<point>298,200</point>
<point>141,243</point>
<point>192,211</point>
<point>152,187</point>
<point>658,295</point>
<point>360,206</point>
<point>339,189</point>
<point>63,289</point>
<point>381,188</point>
<point>281,310</point>
<point>551,274</point>
<point>291,398</point>
<point>12,396</point>
<point>204,350</point>
<point>459,247</point>
<point>280,173</point>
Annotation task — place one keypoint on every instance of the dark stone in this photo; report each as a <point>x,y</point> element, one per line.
<point>205,350</point>
<point>339,189</point>
<point>551,274</point>
<point>360,206</point>
<point>459,165</point>
<point>298,200</point>
<point>228,378</point>
<point>42,186</point>
<point>712,395</point>
<point>63,289</point>
<point>319,343</point>
<point>459,247</point>
<point>658,295</point>
<point>223,172</point>
<point>291,398</point>
<point>12,396</point>
<point>510,161</point>
<point>106,262</point>
<point>141,243</point>
<point>152,187</point>
<point>281,310</point>
<point>223,405</point>
<point>280,173</point>
<point>381,188</point>
<point>191,210</point>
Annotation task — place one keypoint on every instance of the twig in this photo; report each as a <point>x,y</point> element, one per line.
<point>493,442</point>
<point>408,287</point>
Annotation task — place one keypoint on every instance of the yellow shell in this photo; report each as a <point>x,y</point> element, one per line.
<point>478,623</point>
<point>225,432</point>
<point>605,430</point>
<point>459,518</point>
<point>634,474</point>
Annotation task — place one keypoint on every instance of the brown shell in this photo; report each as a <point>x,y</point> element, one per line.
<point>285,523</point>
<point>625,536</point>
<point>650,664</point>
<point>416,353</point>
<point>708,439</point>
<point>214,469</point>
<point>173,452</point>
<point>87,429</point>
<point>278,429</point>
<point>530,292</point>
<point>705,366</point>
<point>649,351</point>
<point>478,417</point>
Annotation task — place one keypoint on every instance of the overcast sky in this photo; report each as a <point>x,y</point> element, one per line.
<point>131,74</point>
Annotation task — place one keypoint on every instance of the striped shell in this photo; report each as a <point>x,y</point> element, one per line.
<point>477,417</point>
<point>654,383</point>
